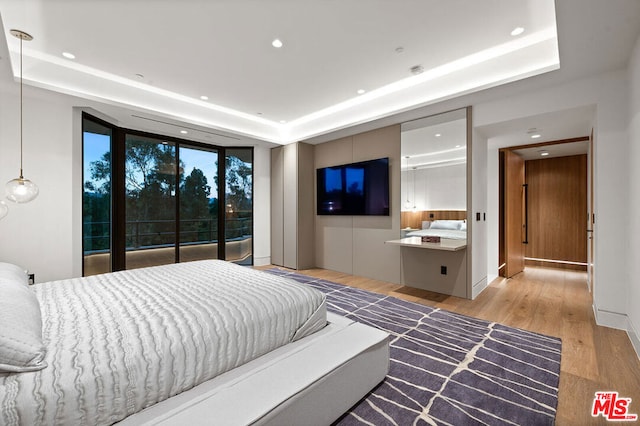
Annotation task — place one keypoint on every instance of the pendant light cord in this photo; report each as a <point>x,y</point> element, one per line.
<point>21,176</point>
<point>21,190</point>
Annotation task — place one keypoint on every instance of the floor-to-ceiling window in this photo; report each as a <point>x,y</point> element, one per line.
<point>198,204</point>
<point>151,172</point>
<point>239,205</point>
<point>96,200</point>
<point>151,200</point>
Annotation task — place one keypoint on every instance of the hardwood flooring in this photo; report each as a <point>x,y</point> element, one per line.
<point>555,302</point>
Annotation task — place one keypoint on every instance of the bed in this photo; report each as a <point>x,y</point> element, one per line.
<point>448,229</point>
<point>198,342</point>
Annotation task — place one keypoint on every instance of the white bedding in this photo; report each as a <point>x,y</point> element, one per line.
<point>312,381</point>
<point>117,343</point>
<point>451,234</point>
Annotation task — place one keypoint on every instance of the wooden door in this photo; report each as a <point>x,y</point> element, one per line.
<point>514,213</point>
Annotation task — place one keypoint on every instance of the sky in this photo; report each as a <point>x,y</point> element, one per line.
<point>95,146</point>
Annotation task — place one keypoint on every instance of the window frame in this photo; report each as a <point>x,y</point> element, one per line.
<point>118,192</point>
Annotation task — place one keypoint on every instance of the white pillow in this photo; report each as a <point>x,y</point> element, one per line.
<point>463,226</point>
<point>426,224</point>
<point>21,347</point>
<point>11,272</point>
<point>446,224</point>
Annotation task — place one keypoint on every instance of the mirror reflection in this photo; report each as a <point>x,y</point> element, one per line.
<point>434,176</point>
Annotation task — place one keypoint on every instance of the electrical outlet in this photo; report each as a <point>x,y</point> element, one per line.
<point>443,270</point>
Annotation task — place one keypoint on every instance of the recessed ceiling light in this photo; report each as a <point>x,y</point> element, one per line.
<point>184,132</point>
<point>139,76</point>
<point>517,31</point>
<point>361,91</point>
<point>544,153</point>
<point>417,69</point>
<point>399,49</point>
<point>437,135</point>
<point>283,121</point>
<point>536,136</point>
<point>204,98</point>
<point>68,55</point>
<point>458,146</point>
<point>277,43</point>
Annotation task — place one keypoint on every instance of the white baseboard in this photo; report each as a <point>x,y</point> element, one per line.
<point>634,337</point>
<point>262,261</point>
<point>478,287</point>
<point>611,319</point>
<point>492,277</point>
<point>618,321</point>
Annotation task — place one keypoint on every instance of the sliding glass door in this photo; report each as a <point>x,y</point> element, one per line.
<point>198,204</point>
<point>96,197</point>
<point>152,200</point>
<point>239,206</point>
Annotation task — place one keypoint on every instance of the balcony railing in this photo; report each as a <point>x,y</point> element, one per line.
<point>148,234</point>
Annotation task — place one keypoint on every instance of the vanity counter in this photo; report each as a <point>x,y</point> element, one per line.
<point>444,244</point>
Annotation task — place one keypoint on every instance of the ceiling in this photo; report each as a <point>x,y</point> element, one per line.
<point>160,60</point>
<point>435,141</point>
<point>541,128</point>
<point>553,151</point>
<point>149,65</point>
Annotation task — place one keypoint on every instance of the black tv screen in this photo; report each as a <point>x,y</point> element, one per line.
<point>355,189</point>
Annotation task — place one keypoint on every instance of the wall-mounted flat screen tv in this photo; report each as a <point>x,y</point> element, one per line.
<point>356,189</point>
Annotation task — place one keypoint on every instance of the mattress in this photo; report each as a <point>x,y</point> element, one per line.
<point>451,234</point>
<point>118,343</point>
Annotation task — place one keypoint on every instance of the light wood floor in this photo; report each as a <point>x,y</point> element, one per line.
<point>550,301</point>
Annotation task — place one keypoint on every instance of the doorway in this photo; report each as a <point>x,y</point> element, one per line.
<point>544,206</point>
<point>513,229</point>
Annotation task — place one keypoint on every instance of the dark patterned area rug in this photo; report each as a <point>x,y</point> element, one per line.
<point>446,368</point>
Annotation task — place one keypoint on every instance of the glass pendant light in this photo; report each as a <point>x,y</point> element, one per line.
<point>21,190</point>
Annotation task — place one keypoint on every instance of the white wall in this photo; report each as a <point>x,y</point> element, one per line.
<point>633,295</point>
<point>38,235</point>
<point>436,188</point>
<point>479,228</point>
<point>493,211</point>
<point>45,235</point>
<point>612,172</point>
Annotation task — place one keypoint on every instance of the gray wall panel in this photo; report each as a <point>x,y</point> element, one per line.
<point>355,244</point>
<point>290,209</point>
<point>277,206</point>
